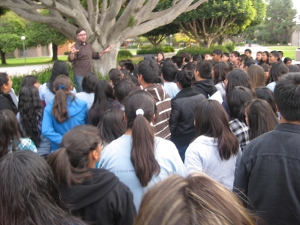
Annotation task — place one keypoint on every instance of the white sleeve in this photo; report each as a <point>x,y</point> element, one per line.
<point>193,160</point>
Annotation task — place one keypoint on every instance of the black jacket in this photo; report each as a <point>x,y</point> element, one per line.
<point>182,116</point>
<point>268,174</point>
<point>205,87</point>
<point>101,200</point>
<point>6,102</point>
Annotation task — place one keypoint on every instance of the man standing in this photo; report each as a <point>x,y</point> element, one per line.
<point>81,55</point>
<point>234,58</point>
<point>268,173</point>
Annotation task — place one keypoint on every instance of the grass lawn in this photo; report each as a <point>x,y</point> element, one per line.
<point>31,61</point>
<point>288,51</point>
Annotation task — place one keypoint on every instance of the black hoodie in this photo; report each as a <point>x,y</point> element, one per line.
<point>101,200</point>
<point>205,87</point>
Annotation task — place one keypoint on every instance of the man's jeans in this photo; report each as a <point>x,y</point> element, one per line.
<point>78,82</point>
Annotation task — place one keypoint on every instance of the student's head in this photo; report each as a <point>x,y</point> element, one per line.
<point>123,89</point>
<point>219,72</point>
<point>160,57</point>
<point>237,77</point>
<point>111,125</point>
<point>258,56</point>
<point>280,54</point>
<point>29,192</point>
<point>62,87</point>
<point>294,68</point>
<point>89,82</point>
<point>278,69</point>
<point>267,95</point>
<point>246,63</point>
<point>287,61</point>
<point>79,150</point>
<point>186,57</point>
<point>203,70</point>
<point>140,110</point>
<point>259,117</point>
<point>236,100</point>
<point>59,68</point>
<point>256,75</point>
<point>225,57</point>
<point>5,83</point>
<point>196,199</point>
<point>248,52</point>
<point>197,57</point>
<point>274,57</point>
<point>234,57</point>
<point>217,54</point>
<point>184,79</point>
<point>215,125</point>
<point>265,57</point>
<point>129,66</point>
<point>31,113</point>
<point>287,96</point>
<point>266,67</point>
<point>115,76</point>
<point>148,70</point>
<point>169,71</point>
<point>9,131</point>
<point>191,66</point>
<point>178,60</point>
<point>207,56</point>
<point>30,80</point>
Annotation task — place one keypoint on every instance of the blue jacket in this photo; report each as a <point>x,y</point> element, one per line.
<point>53,130</point>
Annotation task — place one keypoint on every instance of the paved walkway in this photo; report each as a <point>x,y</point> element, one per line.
<point>24,70</point>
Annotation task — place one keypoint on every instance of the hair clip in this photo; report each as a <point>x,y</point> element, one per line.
<point>62,86</point>
<point>139,112</point>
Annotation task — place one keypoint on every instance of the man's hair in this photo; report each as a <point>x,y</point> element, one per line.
<point>275,54</point>
<point>187,56</point>
<point>178,60</point>
<point>79,30</point>
<point>218,52</point>
<point>197,57</point>
<point>204,67</point>
<point>287,96</point>
<point>248,50</point>
<point>280,53</point>
<point>248,62</point>
<point>149,70</point>
<point>169,71</point>
<point>235,53</point>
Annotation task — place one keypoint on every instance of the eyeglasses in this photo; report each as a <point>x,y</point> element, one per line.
<point>80,35</point>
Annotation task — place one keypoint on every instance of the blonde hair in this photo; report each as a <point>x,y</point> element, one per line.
<point>197,199</point>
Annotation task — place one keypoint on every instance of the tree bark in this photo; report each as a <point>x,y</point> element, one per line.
<point>54,52</point>
<point>3,59</point>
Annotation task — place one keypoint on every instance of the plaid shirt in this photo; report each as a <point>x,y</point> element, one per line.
<point>23,144</point>
<point>240,130</point>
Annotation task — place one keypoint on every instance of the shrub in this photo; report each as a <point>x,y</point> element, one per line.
<point>66,53</point>
<point>124,54</point>
<point>155,50</point>
<point>198,50</point>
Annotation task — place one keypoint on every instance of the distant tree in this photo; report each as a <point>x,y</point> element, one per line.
<point>12,27</point>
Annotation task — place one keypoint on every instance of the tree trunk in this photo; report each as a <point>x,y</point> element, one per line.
<point>3,60</point>
<point>108,60</point>
<point>54,52</point>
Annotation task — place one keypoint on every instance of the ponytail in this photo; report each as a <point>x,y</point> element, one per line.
<point>63,170</point>
<point>142,151</point>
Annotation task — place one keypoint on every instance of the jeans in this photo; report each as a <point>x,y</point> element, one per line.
<point>78,82</point>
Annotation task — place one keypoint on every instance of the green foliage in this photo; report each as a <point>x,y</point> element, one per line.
<point>201,51</point>
<point>155,50</point>
<point>124,54</point>
<point>131,20</point>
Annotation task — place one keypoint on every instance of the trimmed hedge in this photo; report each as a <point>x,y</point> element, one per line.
<point>198,50</point>
<point>124,54</point>
<point>155,50</point>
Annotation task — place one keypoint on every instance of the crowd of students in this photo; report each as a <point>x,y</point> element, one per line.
<point>167,141</point>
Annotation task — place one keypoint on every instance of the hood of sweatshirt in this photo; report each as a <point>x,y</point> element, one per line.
<point>90,191</point>
<point>158,92</point>
<point>205,87</point>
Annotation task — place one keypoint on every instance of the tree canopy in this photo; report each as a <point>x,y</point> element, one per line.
<point>106,22</point>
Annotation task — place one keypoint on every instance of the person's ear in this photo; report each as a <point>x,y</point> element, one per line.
<point>125,117</point>
<point>277,108</point>
<point>95,155</point>
<point>153,118</point>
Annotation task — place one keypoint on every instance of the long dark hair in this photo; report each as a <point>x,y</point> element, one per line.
<point>238,77</point>
<point>142,149</point>
<point>62,86</point>
<point>59,68</point>
<point>103,100</point>
<point>29,193</point>
<point>111,125</point>
<point>216,125</point>
<point>31,113</point>
<point>220,70</point>
<point>261,118</point>
<point>70,162</point>
<point>10,131</point>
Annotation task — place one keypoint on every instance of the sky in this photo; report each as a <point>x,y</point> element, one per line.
<point>296,4</point>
